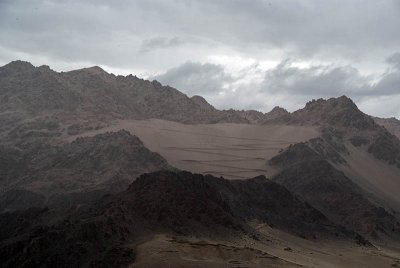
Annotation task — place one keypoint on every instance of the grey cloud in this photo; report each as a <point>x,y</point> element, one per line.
<point>326,81</point>
<point>388,85</point>
<point>160,43</point>
<point>300,85</point>
<point>195,78</point>
<point>314,81</point>
<point>394,60</point>
<point>215,84</point>
<point>113,32</point>
<point>283,85</point>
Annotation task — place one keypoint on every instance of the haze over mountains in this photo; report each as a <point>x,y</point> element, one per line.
<point>95,161</point>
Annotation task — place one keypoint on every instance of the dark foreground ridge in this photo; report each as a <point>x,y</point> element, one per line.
<point>105,234</point>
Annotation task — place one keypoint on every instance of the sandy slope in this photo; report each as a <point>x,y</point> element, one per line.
<point>229,150</point>
<point>375,176</point>
<point>166,251</point>
<point>279,249</point>
<point>325,253</point>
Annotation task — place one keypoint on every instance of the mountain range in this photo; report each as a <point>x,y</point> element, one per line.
<point>114,168</point>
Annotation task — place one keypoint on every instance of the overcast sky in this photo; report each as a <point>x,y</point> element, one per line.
<point>243,54</point>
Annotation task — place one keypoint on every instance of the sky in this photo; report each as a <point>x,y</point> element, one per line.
<point>241,54</point>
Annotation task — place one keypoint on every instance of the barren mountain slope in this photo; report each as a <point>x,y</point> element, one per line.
<point>85,168</point>
<point>351,172</point>
<point>311,176</point>
<point>38,103</point>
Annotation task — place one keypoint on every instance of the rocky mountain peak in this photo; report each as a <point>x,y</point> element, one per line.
<point>341,111</point>
<point>332,103</point>
<point>156,84</point>
<point>18,66</point>
<point>95,70</point>
<point>278,109</point>
<point>92,73</point>
<point>277,114</point>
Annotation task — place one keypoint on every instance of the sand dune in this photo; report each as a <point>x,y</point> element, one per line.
<point>229,150</point>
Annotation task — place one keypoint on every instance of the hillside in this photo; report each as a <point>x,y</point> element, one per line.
<point>74,172</point>
<point>107,233</point>
<point>39,103</point>
<point>391,124</point>
<point>312,177</point>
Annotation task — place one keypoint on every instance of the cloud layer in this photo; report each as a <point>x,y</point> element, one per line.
<point>287,83</point>
<point>238,53</point>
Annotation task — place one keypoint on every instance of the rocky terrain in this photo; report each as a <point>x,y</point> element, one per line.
<point>37,102</point>
<point>342,122</point>
<point>313,169</point>
<point>106,233</point>
<point>391,124</point>
<point>74,172</point>
<point>312,177</point>
<point>338,112</point>
<point>90,160</point>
